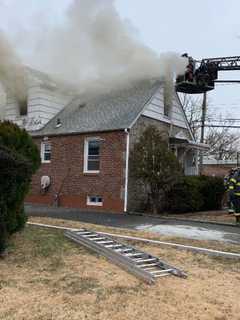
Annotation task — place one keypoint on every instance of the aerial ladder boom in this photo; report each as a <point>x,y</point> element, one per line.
<point>200,76</point>
<point>224,63</point>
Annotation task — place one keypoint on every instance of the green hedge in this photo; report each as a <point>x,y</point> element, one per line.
<point>198,193</point>
<point>19,159</point>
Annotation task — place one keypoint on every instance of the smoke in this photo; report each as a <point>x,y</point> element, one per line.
<point>95,48</point>
<point>11,70</point>
<point>91,48</point>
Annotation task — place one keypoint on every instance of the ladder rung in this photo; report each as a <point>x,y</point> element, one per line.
<point>145,260</point>
<point>133,254</point>
<point>123,250</point>
<point>147,265</point>
<point>161,275</point>
<point>114,246</point>
<point>96,239</point>
<point>150,268</point>
<point>84,233</point>
<point>161,271</point>
<point>104,242</point>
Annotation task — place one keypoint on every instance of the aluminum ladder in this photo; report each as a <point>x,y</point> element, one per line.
<point>137,262</point>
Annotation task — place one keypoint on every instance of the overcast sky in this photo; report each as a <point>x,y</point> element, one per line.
<point>206,28</point>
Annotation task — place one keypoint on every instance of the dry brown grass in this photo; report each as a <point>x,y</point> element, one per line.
<point>45,276</point>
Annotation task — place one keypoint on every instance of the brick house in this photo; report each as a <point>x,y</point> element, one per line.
<point>218,168</point>
<point>85,141</point>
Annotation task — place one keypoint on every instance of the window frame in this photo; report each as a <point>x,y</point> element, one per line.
<point>93,203</point>
<point>43,151</point>
<point>86,155</point>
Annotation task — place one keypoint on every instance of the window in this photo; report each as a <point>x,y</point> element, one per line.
<point>46,151</point>
<point>92,155</point>
<point>94,201</point>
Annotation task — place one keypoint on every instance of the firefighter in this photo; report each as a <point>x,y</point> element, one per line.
<point>234,186</point>
<point>190,69</point>
<point>229,187</point>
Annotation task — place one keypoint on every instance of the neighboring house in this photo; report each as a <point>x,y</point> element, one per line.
<point>218,168</point>
<point>85,143</point>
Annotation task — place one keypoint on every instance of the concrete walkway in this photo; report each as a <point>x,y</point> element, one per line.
<point>163,226</point>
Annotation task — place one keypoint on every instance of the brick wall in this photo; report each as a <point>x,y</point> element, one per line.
<point>66,173</point>
<point>217,170</point>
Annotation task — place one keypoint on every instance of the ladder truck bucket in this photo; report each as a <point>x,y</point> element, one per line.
<point>192,87</point>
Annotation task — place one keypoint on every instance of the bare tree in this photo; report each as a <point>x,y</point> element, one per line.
<point>223,142</point>
<point>192,106</point>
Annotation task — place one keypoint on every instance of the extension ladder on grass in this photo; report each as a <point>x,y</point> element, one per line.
<point>135,261</point>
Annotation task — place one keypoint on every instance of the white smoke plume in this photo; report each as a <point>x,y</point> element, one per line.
<point>95,48</point>
<point>92,48</point>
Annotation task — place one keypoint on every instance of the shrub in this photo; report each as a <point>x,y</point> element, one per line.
<point>212,192</point>
<point>154,166</point>
<point>198,193</point>
<point>20,142</point>
<point>17,164</point>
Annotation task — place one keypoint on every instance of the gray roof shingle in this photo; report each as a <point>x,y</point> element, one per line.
<point>115,110</point>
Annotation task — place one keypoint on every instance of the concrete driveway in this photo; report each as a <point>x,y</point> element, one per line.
<point>163,226</point>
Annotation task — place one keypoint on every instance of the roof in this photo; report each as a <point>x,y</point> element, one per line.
<point>115,110</point>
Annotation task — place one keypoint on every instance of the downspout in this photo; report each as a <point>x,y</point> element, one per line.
<point>126,171</point>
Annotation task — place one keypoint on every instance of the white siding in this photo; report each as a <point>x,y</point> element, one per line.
<point>155,110</point>
<point>44,102</point>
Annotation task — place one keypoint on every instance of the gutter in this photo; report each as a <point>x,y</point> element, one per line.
<point>40,135</point>
<point>126,171</point>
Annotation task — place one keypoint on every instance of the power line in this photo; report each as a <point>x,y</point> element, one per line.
<point>223,119</point>
<point>222,126</point>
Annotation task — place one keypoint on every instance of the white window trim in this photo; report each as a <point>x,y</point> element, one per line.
<point>43,152</point>
<point>85,165</point>
<point>96,204</point>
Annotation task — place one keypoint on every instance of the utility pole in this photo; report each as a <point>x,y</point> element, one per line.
<point>204,111</point>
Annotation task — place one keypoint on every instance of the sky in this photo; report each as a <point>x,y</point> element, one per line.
<point>201,28</point>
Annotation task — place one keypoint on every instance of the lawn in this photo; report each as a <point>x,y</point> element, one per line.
<point>45,276</point>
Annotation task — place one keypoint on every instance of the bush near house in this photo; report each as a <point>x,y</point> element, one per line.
<point>19,159</point>
<point>198,193</point>
<point>154,166</point>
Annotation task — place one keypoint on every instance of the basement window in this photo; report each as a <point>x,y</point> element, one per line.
<point>23,107</point>
<point>92,155</point>
<point>46,151</point>
<point>94,201</point>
